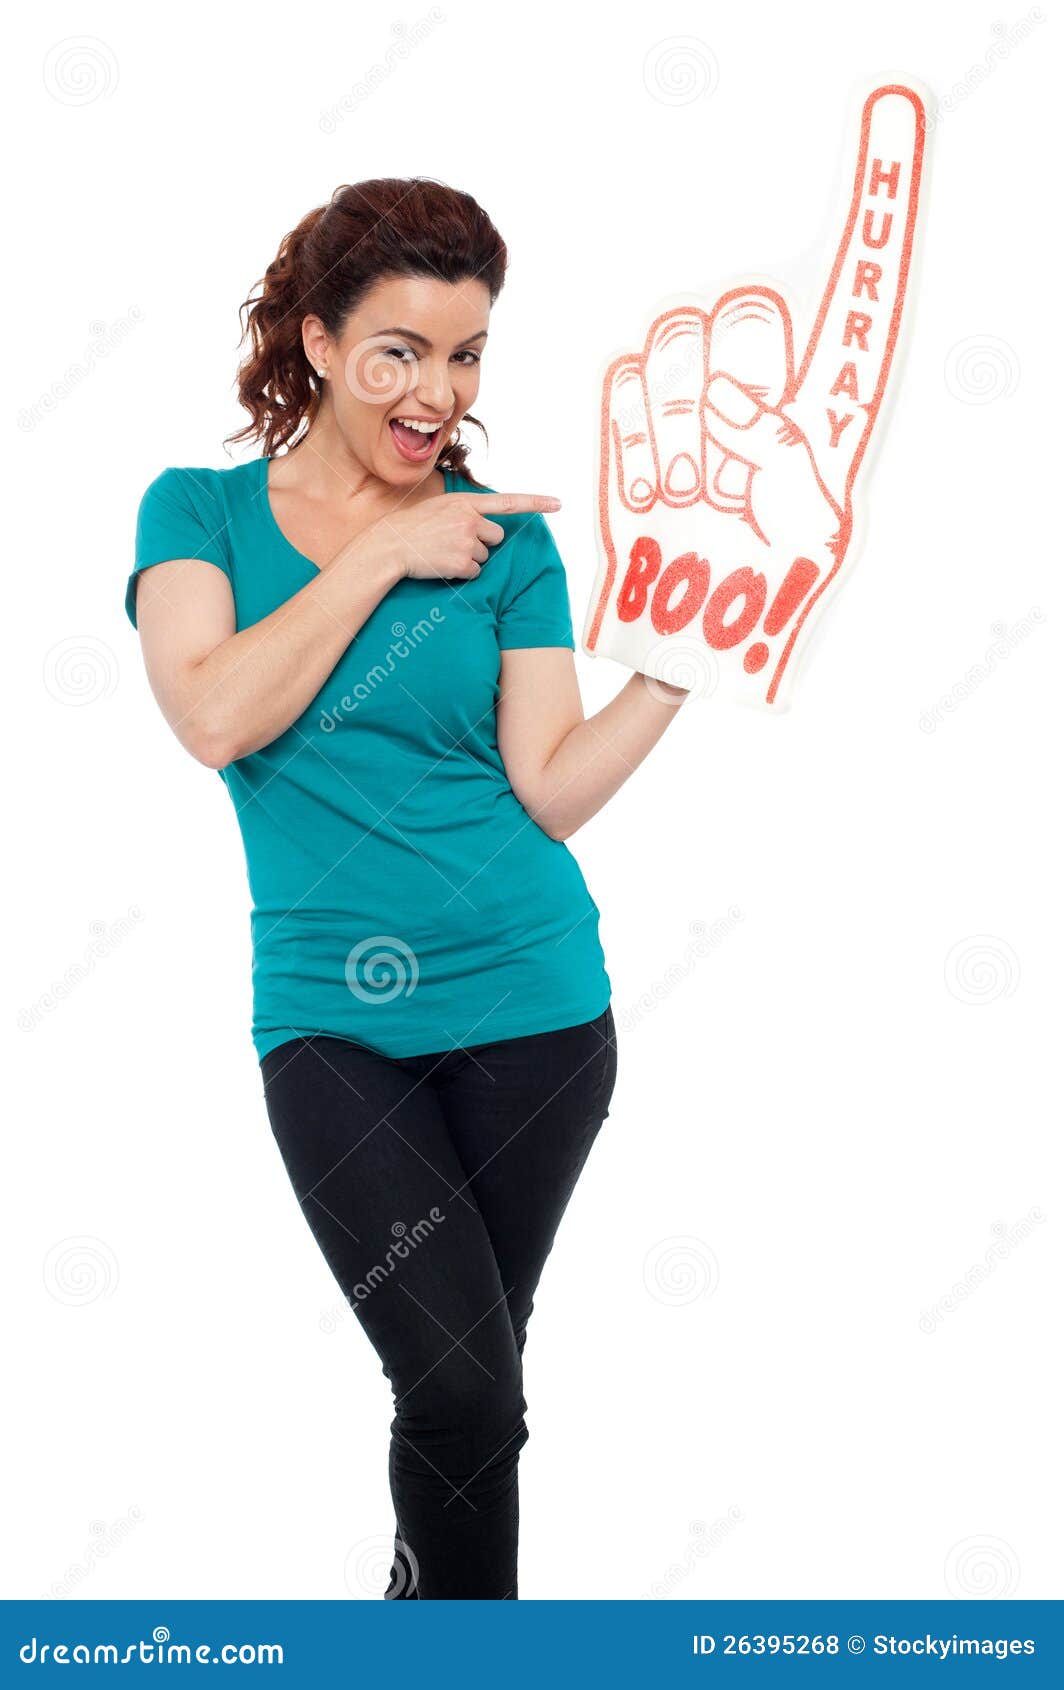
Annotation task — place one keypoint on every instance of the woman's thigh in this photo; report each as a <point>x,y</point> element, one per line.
<point>523,1115</point>
<point>370,1156</point>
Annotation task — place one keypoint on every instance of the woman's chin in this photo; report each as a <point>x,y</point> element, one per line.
<point>399,474</point>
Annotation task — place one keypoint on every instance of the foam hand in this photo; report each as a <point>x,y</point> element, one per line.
<point>725,505</point>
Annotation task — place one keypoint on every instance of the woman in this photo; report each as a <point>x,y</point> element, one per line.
<point>376,654</point>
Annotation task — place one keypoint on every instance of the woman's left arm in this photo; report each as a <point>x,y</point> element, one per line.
<point>562,766</point>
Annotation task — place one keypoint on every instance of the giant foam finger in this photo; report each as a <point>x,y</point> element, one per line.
<point>627,475</point>
<point>840,385</point>
<point>750,341</point>
<point>744,572</point>
<point>626,422</point>
<point>675,364</point>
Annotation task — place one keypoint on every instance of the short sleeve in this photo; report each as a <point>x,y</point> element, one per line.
<point>180,516</point>
<point>536,608</point>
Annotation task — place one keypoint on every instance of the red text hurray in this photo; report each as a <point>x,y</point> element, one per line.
<point>726,474</point>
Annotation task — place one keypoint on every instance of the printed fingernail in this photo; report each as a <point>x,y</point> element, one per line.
<point>730,401</point>
<point>640,491</point>
<point>682,476</point>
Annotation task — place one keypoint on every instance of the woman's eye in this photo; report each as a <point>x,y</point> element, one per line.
<point>402,353</point>
<point>468,357</point>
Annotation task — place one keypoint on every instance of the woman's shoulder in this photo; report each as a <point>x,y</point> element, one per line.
<point>188,511</point>
<point>186,480</point>
<point>194,506</point>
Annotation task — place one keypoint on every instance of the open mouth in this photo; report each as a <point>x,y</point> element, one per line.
<point>416,439</point>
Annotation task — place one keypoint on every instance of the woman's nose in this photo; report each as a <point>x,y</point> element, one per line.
<point>434,387</point>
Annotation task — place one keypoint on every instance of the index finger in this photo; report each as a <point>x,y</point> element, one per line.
<point>513,504</point>
<point>840,383</point>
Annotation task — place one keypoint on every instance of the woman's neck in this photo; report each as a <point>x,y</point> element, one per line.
<point>324,469</point>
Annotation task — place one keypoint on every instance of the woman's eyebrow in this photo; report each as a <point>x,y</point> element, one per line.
<point>412,334</point>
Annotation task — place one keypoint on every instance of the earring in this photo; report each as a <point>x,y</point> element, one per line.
<point>320,374</point>
<point>455,438</point>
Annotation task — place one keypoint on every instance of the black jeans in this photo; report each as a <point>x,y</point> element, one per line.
<point>434,1186</point>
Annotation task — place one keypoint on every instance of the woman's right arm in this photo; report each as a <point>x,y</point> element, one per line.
<point>226,694</point>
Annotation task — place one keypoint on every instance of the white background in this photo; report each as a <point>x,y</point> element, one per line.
<point>765,1359</point>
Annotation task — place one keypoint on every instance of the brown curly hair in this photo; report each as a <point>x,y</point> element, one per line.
<point>369,230</point>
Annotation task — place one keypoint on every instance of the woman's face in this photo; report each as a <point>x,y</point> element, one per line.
<point>404,371</point>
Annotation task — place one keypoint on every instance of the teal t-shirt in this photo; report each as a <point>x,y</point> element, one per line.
<point>402,897</point>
